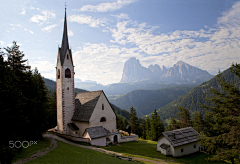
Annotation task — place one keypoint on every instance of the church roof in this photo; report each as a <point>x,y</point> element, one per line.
<point>97,132</point>
<point>181,137</point>
<point>73,126</point>
<point>85,103</point>
<point>65,45</point>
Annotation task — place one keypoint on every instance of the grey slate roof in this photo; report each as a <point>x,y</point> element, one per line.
<point>65,45</point>
<point>164,146</point>
<point>182,136</point>
<point>97,132</point>
<point>85,103</point>
<point>73,126</point>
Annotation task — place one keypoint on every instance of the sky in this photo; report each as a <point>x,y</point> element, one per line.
<point>104,34</point>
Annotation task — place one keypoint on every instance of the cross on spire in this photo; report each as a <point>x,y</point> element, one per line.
<point>65,5</point>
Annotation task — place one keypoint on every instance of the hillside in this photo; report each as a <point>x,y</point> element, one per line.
<point>197,94</point>
<point>145,101</point>
<point>51,85</point>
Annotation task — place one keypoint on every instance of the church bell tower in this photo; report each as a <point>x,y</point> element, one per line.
<point>64,83</point>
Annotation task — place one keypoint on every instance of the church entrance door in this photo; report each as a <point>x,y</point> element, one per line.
<point>115,139</point>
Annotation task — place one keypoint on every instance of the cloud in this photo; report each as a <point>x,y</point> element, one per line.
<point>83,19</point>
<point>32,8</point>
<point>121,16</point>
<point>210,49</point>
<point>1,42</point>
<point>108,6</point>
<point>23,12</point>
<point>70,33</point>
<point>28,30</point>
<point>49,28</point>
<point>94,61</point>
<point>42,66</point>
<point>43,18</point>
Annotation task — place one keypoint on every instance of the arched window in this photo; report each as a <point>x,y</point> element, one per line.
<point>67,57</point>
<point>58,74</point>
<point>102,106</point>
<point>67,73</point>
<point>103,119</point>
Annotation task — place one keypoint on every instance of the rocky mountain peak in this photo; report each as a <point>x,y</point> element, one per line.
<point>180,73</point>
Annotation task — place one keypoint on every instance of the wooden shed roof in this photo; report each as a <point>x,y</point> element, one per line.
<point>97,132</point>
<point>182,136</point>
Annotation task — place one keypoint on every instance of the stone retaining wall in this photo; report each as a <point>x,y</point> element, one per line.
<point>72,137</point>
<point>129,138</point>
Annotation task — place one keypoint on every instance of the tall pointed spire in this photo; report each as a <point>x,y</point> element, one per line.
<point>65,44</point>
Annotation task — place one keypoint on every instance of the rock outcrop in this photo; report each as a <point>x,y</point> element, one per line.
<point>179,73</point>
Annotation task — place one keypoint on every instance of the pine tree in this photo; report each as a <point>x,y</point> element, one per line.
<point>184,117</point>
<point>143,127</point>
<point>148,128</point>
<point>157,126</point>
<point>173,124</point>
<point>134,123</point>
<point>223,138</point>
<point>198,122</point>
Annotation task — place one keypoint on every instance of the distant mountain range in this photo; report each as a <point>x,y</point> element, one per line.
<point>180,73</point>
<point>196,95</point>
<point>145,101</point>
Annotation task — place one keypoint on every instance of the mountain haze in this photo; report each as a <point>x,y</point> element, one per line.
<point>179,73</point>
<point>196,95</point>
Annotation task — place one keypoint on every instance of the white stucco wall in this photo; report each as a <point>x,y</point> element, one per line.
<point>187,149</point>
<point>82,126</point>
<point>108,113</point>
<point>98,141</point>
<point>161,140</point>
<point>65,95</point>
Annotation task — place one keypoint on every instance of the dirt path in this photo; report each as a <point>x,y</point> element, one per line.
<point>54,144</point>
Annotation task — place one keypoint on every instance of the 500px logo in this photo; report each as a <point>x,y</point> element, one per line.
<point>24,144</point>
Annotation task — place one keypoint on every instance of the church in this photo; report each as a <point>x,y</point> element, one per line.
<point>88,117</point>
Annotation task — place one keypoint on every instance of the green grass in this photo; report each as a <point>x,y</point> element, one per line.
<point>147,149</point>
<point>66,153</point>
<point>29,151</point>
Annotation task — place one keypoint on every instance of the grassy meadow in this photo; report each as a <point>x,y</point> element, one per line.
<point>147,149</point>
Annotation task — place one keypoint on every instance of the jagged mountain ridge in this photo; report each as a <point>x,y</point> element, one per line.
<point>179,73</point>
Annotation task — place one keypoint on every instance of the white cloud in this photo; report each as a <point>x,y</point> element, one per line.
<point>108,6</point>
<point>94,61</point>
<point>1,42</point>
<point>83,19</point>
<point>70,33</point>
<point>43,18</point>
<point>211,49</point>
<point>49,28</point>
<point>43,66</point>
<point>121,16</point>
<point>28,30</point>
<point>17,25</point>
<point>23,12</point>
<point>32,8</point>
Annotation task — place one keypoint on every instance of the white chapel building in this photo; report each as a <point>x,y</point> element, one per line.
<point>89,115</point>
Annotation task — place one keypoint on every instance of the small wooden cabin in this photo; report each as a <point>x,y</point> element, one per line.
<point>178,142</point>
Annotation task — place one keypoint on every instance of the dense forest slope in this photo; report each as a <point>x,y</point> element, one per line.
<point>195,96</point>
<point>145,101</point>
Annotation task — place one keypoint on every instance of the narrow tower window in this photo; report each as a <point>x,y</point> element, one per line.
<point>102,106</point>
<point>67,57</point>
<point>58,74</point>
<point>103,119</point>
<point>67,73</point>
